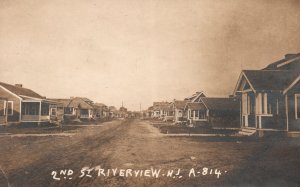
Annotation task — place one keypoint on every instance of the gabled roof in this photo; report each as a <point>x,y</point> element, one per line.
<point>195,97</point>
<point>215,103</point>
<point>267,80</point>
<point>270,80</point>
<point>195,106</point>
<point>20,91</point>
<point>180,104</point>
<point>64,102</point>
<point>81,103</point>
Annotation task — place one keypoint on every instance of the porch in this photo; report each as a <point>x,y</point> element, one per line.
<point>35,111</point>
<point>263,110</point>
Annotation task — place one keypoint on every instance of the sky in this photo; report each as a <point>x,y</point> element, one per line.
<point>141,51</point>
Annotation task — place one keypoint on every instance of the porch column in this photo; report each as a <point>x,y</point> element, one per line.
<point>287,112</point>
<point>257,106</point>
<point>194,112</point>
<point>40,111</point>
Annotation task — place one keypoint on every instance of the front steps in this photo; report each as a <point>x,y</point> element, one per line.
<point>246,132</point>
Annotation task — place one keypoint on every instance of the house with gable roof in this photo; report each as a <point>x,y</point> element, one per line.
<point>160,109</point>
<point>270,98</point>
<point>20,105</point>
<point>221,112</point>
<point>76,108</point>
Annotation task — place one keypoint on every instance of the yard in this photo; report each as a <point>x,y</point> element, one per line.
<point>168,128</point>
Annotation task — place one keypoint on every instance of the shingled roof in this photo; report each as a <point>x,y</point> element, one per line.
<point>289,62</point>
<point>215,103</point>
<point>65,102</point>
<point>81,103</point>
<point>20,91</point>
<point>270,80</point>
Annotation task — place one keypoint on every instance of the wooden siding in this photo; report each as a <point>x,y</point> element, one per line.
<point>294,124</point>
<point>16,105</point>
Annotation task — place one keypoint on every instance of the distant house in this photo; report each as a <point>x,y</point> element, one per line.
<point>168,112</point>
<point>84,106</point>
<point>112,111</point>
<point>122,113</point>
<point>179,112</point>
<point>270,98</point>
<point>100,111</point>
<point>19,105</point>
<point>149,112</point>
<point>69,109</point>
<point>215,112</point>
<point>76,108</point>
<point>160,109</point>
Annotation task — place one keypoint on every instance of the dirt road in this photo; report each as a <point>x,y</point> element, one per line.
<point>133,153</point>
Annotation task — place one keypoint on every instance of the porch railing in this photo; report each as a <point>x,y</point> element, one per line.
<point>34,118</point>
<point>30,117</point>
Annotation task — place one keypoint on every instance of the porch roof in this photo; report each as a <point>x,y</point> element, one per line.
<point>270,80</point>
<point>80,103</point>
<point>30,100</point>
<point>180,104</point>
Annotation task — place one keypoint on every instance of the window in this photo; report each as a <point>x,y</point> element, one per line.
<point>265,104</point>
<point>9,108</point>
<point>297,106</point>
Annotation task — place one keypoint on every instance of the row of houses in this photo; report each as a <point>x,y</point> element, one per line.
<point>198,110</point>
<point>265,99</point>
<point>23,105</point>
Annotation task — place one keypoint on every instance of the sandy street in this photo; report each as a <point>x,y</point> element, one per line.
<point>133,153</point>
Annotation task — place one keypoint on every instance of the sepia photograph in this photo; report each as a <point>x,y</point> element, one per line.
<point>158,93</point>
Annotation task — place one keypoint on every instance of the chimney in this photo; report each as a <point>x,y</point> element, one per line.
<point>19,85</point>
